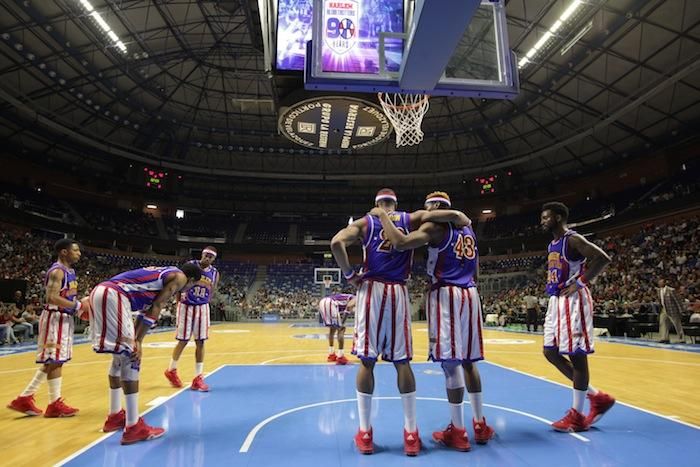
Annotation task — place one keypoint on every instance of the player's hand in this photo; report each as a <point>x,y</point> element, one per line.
<point>136,353</point>
<point>356,279</point>
<point>85,309</point>
<point>570,289</point>
<point>376,212</point>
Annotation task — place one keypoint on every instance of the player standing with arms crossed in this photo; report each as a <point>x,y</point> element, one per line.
<point>454,314</point>
<point>193,317</point>
<point>572,262</point>
<point>112,330</point>
<point>56,328</point>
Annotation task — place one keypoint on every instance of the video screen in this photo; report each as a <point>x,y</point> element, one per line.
<point>350,39</point>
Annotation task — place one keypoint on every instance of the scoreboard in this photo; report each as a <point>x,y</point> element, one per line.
<point>155,179</point>
<point>487,184</point>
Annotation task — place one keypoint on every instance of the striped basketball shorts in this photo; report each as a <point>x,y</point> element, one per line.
<point>112,327</point>
<point>383,322</point>
<point>568,325</point>
<point>192,322</point>
<point>55,339</point>
<point>330,314</point>
<point>454,324</point>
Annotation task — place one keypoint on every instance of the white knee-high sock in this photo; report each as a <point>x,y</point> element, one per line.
<point>579,399</point>
<point>132,408</point>
<point>33,386</point>
<point>115,400</point>
<point>54,389</point>
<point>457,415</point>
<point>409,411</point>
<point>477,405</point>
<point>198,368</point>
<point>364,409</point>
<point>173,364</point>
<point>591,390</point>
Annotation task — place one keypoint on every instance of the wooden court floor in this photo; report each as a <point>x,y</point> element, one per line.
<point>659,380</point>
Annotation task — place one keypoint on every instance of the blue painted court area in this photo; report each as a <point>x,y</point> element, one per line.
<point>302,415</point>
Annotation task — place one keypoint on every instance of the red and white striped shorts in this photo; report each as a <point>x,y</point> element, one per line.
<point>112,327</point>
<point>55,339</point>
<point>568,325</point>
<point>454,324</point>
<point>383,322</point>
<point>192,322</point>
<point>330,315</point>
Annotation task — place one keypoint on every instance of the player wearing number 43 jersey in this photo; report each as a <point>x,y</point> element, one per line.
<point>572,261</point>
<point>193,320</point>
<point>382,313</point>
<point>454,314</point>
<point>146,291</point>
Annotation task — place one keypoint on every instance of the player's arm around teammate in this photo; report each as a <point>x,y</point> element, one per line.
<point>343,239</point>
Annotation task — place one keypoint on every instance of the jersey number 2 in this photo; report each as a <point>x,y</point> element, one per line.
<point>385,246</point>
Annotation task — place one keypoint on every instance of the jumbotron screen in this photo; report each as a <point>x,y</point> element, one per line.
<point>350,34</point>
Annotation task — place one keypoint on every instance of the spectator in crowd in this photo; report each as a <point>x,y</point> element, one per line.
<point>30,317</point>
<point>20,326</point>
<point>6,323</point>
<point>19,300</point>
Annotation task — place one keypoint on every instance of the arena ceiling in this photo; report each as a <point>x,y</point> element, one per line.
<point>193,91</point>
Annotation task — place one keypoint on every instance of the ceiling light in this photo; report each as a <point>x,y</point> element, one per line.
<point>151,206</point>
<point>103,25</point>
<point>86,5</point>
<point>570,10</point>
<point>486,211</point>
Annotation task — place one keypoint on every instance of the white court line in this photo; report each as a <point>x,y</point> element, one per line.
<point>618,402</point>
<point>251,435</point>
<point>107,435</point>
<point>294,356</point>
<point>604,357</point>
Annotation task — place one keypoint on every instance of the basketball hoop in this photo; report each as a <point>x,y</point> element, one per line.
<point>406,112</point>
<point>327,280</point>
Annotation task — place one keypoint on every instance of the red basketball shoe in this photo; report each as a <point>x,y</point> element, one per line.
<point>25,404</point>
<point>363,441</point>
<point>58,409</point>
<point>482,432</point>
<point>173,378</point>
<point>331,357</point>
<point>572,421</point>
<point>411,443</point>
<point>342,360</point>
<point>600,403</point>
<point>115,422</point>
<point>198,384</point>
<point>453,437</point>
<point>141,432</point>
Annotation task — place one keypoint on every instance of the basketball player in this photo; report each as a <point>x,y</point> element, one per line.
<point>193,320</point>
<point>334,311</point>
<point>572,262</point>
<point>454,314</point>
<point>112,330</point>
<point>55,339</point>
<point>382,314</point>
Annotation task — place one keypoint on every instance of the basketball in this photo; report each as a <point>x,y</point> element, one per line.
<point>85,309</point>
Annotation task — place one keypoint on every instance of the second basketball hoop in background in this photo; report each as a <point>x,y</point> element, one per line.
<point>406,112</point>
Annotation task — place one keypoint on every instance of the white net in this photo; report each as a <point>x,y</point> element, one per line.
<point>406,112</point>
<point>327,281</point>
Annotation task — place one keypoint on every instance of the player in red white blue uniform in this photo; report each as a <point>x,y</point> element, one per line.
<point>193,316</point>
<point>382,313</point>
<point>334,311</point>
<point>454,313</point>
<point>112,330</point>
<point>56,328</point>
<point>572,261</point>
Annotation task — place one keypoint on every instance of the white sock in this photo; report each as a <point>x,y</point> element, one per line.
<point>54,389</point>
<point>198,368</point>
<point>364,408</point>
<point>457,415</point>
<point>33,386</point>
<point>173,364</point>
<point>477,405</point>
<point>591,390</point>
<point>115,400</point>
<point>409,411</point>
<point>341,352</point>
<point>330,350</point>
<point>132,408</point>
<point>579,398</point>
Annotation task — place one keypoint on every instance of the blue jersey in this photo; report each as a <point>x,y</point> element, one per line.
<point>69,286</point>
<point>200,292</point>
<point>341,300</point>
<point>455,260</point>
<point>382,261</point>
<point>563,267</point>
<point>142,286</point>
